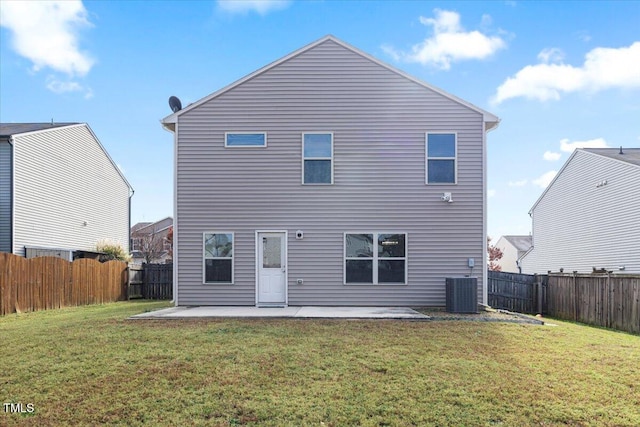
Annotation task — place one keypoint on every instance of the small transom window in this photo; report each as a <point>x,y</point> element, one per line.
<point>245,139</point>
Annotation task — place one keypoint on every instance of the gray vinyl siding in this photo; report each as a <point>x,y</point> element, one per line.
<point>578,226</point>
<point>379,120</point>
<point>62,179</point>
<point>5,196</point>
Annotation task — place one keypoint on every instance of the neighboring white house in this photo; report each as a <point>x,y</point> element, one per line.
<point>328,178</point>
<point>60,191</point>
<point>589,215</point>
<point>513,249</point>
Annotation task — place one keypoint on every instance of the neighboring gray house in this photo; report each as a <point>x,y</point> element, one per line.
<point>60,191</point>
<point>589,215</point>
<point>149,242</point>
<point>328,178</point>
<point>513,249</point>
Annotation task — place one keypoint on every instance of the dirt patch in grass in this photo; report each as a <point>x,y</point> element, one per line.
<point>90,366</point>
<point>483,315</point>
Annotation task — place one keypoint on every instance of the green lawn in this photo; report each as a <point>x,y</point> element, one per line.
<point>89,366</point>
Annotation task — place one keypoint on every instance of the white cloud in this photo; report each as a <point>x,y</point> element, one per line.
<point>551,55</point>
<point>491,193</point>
<point>59,87</point>
<point>603,68</point>
<point>551,156</point>
<point>46,33</point>
<point>545,179</point>
<point>583,36</point>
<point>261,7</point>
<point>449,42</point>
<point>520,183</point>
<point>569,147</point>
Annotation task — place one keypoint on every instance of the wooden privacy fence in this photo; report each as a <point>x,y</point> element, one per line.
<point>47,283</point>
<point>522,293</point>
<point>608,300</point>
<point>151,281</point>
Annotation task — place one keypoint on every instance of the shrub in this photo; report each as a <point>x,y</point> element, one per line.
<point>112,250</point>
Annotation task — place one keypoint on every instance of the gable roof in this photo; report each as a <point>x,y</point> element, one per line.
<point>138,225</point>
<point>10,129</point>
<point>521,243</point>
<point>13,129</point>
<point>630,156</point>
<point>152,227</point>
<point>491,121</point>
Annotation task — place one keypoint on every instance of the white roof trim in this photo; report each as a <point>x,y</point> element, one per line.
<point>489,118</point>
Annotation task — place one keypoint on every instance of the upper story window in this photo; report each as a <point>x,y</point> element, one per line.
<point>441,159</point>
<point>245,139</point>
<point>317,158</point>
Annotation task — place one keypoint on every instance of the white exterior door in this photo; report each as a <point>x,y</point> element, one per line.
<point>272,268</point>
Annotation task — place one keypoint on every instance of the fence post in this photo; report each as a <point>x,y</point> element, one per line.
<point>610,305</point>
<point>538,283</point>
<point>575,296</point>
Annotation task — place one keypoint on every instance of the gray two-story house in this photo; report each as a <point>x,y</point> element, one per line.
<point>328,178</point>
<point>60,191</point>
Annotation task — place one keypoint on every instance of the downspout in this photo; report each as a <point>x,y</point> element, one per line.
<point>12,197</point>
<point>129,232</point>
<point>174,131</point>
<point>485,267</point>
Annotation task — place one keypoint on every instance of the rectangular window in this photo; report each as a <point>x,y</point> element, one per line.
<point>441,150</point>
<point>317,158</point>
<point>375,258</point>
<point>218,257</point>
<point>245,139</point>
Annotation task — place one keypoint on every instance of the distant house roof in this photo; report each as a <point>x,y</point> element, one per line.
<point>521,243</point>
<point>152,227</point>
<point>8,129</point>
<point>139,225</point>
<point>629,155</point>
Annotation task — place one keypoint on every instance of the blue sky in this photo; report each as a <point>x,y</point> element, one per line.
<point>560,75</point>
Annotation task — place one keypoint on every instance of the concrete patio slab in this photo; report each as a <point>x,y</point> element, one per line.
<point>284,312</point>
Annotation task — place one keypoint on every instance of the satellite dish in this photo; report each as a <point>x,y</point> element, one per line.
<point>175,104</point>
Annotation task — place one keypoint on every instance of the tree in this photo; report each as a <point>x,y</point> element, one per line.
<point>494,255</point>
<point>169,240</point>
<point>150,245</point>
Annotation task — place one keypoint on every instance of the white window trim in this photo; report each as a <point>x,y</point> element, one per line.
<point>316,158</point>
<point>427,158</point>
<point>233,257</point>
<point>226,134</point>
<point>375,258</point>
